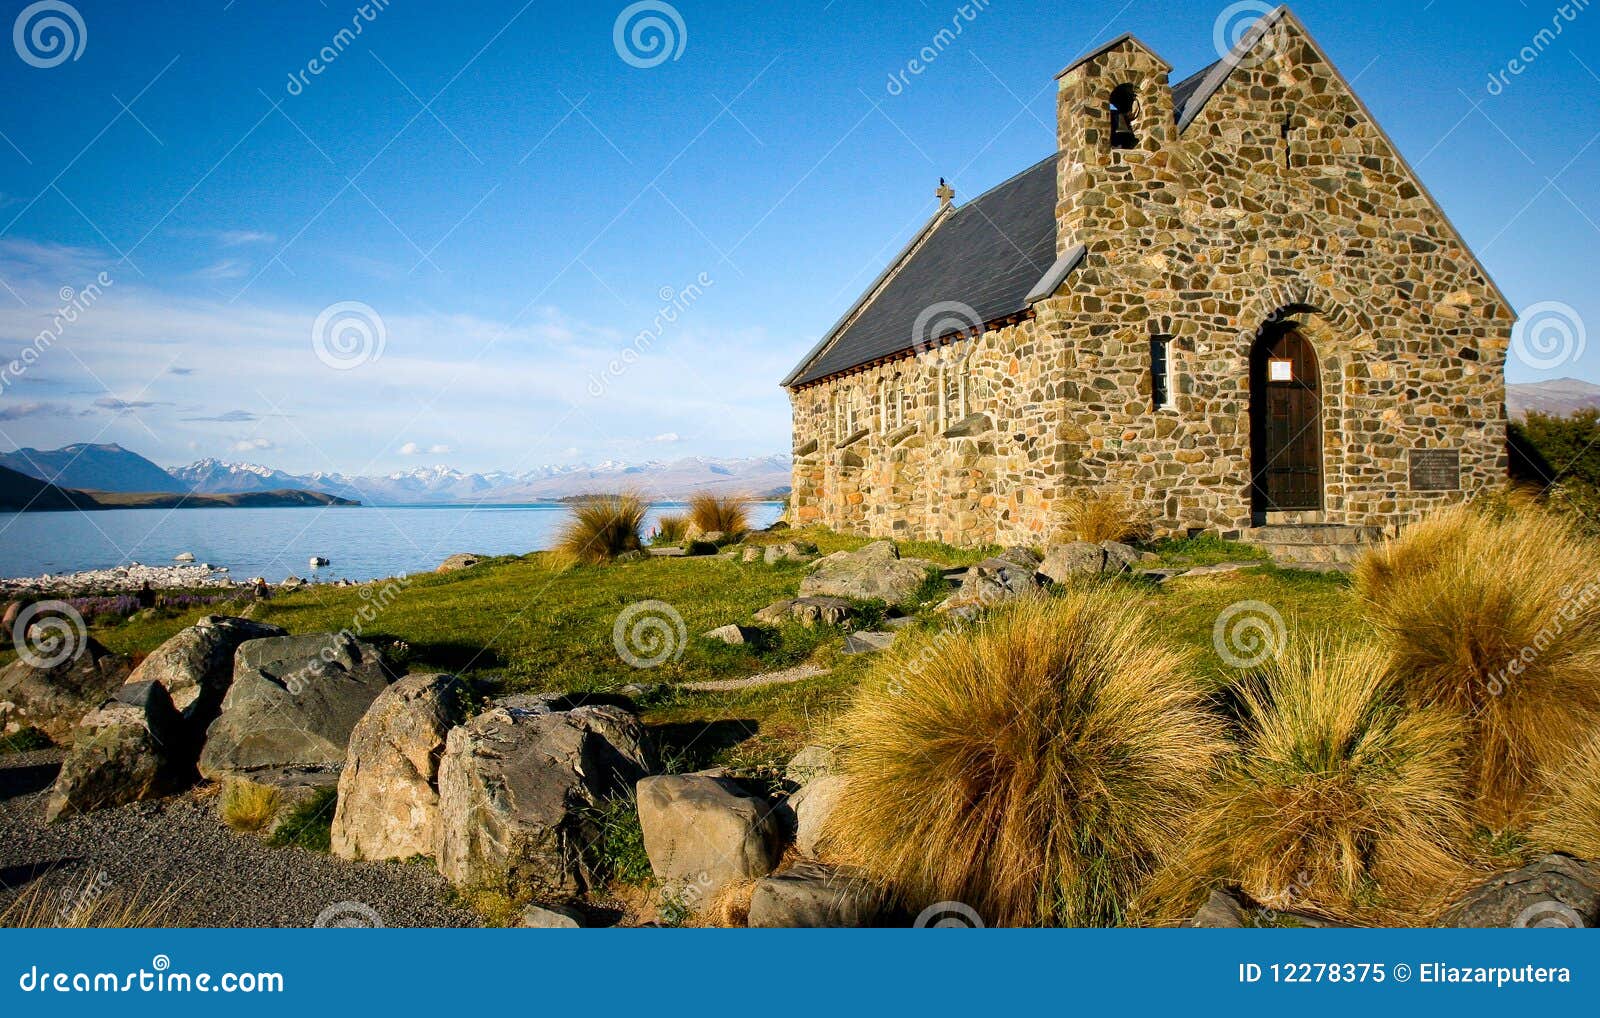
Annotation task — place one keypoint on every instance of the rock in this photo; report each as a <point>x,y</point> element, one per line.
<point>1557,890</point>
<point>810,763</point>
<point>810,808</point>
<point>1119,557</point>
<point>868,642</point>
<point>555,917</point>
<point>183,556</point>
<point>1062,562</point>
<point>1222,911</point>
<point>713,537</point>
<point>729,634</point>
<point>456,563</point>
<point>666,551</point>
<point>291,583</point>
<point>751,553</point>
<point>516,791</point>
<point>810,895</point>
<point>876,572</point>
<point>293,703</point>
<point>703,833</point>
<point>317,562</point>
<point>999,579</point>
<point>9,619</point>
<point>808,611</point>
<point>131,749</point>
<point>389,788</point>
<point>790,551</point>
<point>636,555</point>
<point>636,691</point>
<point>196,665</point>
<point>56,698</point>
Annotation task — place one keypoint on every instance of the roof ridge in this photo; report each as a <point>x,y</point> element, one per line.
<point>1009,180</point>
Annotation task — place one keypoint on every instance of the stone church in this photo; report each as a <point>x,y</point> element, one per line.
<point>1231,298</point>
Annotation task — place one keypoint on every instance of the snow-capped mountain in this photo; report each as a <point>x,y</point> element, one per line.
<point>677,479</point>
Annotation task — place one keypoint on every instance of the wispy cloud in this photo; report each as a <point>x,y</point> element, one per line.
<point>238,238</point>
<point>253,445</point>
<point>122,406</point>
<point>234,417</point>
<point>22,411</point>
<point>226,269</point>
<point>667,438</point>
<point>415,449</point>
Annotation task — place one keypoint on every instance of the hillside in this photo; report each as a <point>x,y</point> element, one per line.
<point>1559,397</point>
<point>96,467</point>
<point>18,491</point>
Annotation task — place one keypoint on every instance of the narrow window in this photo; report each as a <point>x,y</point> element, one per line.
<point>849,413</point>
<point>1288,142</point>
<point>897,396</point>
<point>1160,373</point>
<point>1124,117</point>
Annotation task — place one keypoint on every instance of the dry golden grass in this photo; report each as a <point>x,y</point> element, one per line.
<point>600,529</point>
<point>671,529</point>
<point>1341,801</point>
<point>1569,821</point>
<point>92,903</point>
<point>1104,515</point>
<point>1036,768</point>
<point>1497,620</point>
<point>248,807</point>
<point>729,514</point>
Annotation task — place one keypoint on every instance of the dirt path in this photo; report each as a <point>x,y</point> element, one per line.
<point>798,673</point>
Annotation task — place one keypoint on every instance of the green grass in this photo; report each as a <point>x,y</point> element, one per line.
<point>519,624</point>
<point>1205,550</point>
<point>310,825</point>
<point>618,853</point>
<point>24,740</point>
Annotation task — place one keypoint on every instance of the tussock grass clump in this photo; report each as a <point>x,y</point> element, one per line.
<point>95,902</point>
<point>1497,620</point>
<point>1036,767</point>
<point>600,529</point>
<point>248,807</point>
<point>1341,800</point>
<point>671,529</point>
<point>1569,821</point>
<point>1104,515</point>
<point>729,514</point>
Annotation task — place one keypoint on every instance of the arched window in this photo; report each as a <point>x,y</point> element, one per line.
<point>954,397</point>
<point>849,413</point>
<point>897,402</point>
<point>1124,117</point>
<point>880,406</point>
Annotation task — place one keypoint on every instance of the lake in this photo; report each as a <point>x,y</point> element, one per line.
<point>362,542</point>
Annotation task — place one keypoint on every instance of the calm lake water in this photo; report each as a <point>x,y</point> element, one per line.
<point>362,542</point>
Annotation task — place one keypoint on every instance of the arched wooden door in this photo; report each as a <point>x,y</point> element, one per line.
<point>1285,422</point>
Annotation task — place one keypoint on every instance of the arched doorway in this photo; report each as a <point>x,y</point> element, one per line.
<point>1285,421</point>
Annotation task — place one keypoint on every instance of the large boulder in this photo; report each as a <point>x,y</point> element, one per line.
<point>517,790</point>
<point>293,703</point>
<point>1063,562</point>
<point>810,808</point>
<point>130,749</point>
<point>704,832</point>
<point>1555,891</point>
<point>456,563</point>
<point>808,611</point>
<point>54,697</point>
<point>196,665</point>
<point>810,895</point>
<point>876,572</point>
<point>1011,574</point>
<point>389,789</point>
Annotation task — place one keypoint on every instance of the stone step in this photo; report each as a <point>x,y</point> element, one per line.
<point>1319,534</point>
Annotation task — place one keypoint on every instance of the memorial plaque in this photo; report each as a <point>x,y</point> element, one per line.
<point>1435,469</point>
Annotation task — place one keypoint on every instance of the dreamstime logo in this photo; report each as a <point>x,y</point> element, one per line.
<point>648,634</point>
<point>649,33</point>
<point>1549,915</point>
<point>674,304</point>
<point>48,633</point>
<point>940,320</point>
<point>349,915</point>
<point>1542,40</point>
<point>1548,335</point>
<point>949,915</point>
<point>942,40</point>
<point>1248,633</point>
<point>348,334</point>
<point>1237,21</point>
<point>74,305</point>
<point>49,33</point>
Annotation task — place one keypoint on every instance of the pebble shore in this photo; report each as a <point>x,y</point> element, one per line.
<point>122,580</point>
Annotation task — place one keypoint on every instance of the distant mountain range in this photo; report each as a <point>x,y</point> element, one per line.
<point>111,468</point>
<point>1558,398</point>
<point>22,493</point>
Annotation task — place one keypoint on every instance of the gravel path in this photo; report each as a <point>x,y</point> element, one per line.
<point>226,879</point>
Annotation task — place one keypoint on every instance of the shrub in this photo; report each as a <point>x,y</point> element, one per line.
<point>617,852</point>
<point>1104,515</point>
<point>1340,801</point>
<point>1569,821</point>
<point>1498,622</point>
<point>671,529</point>
<point>1035,767</point>
<point>248,807</point>
<point>310,824</point>
<point>729,514</point>
<point>600,529</point>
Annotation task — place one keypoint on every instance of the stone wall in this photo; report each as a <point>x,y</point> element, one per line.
<point>1283,201</point>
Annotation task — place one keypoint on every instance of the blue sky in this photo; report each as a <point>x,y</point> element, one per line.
<point>516,203</point>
